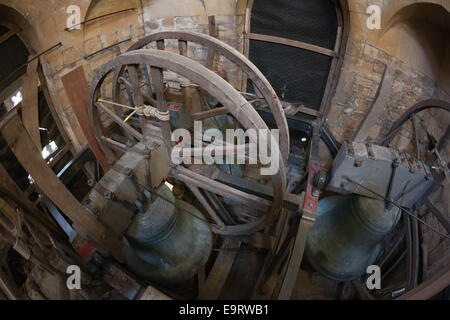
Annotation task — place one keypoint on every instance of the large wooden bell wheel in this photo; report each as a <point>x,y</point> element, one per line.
<point>215,86</point>
<point>265,94</point>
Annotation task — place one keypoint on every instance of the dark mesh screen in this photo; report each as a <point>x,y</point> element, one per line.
<point>13,55</point>
<point>310,21</point>
<point>297,75</point>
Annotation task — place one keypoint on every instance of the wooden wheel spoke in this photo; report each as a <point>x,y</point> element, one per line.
<point>158,84</point>
<point>209,113</point>
<point>182,47</point>
<point>215,46</point>
<point>119,121</point>
<point>200,181</point>
<point>266,206</point>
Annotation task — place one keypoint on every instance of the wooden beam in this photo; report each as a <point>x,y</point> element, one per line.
<point>295,260</point>
<point>9,34</point>
<point>191,178</point>
<point>77,91</point>
<point>30,107</point>
<point>377,107</point>
<point>8,186</point>
<point>292,43</point>
<point>431,287</point>
<point>212,32</point>
<point>209,113</point>
<point>219,273</point>
<point>9,288</point>
<point>306,110</point>
<point>30,158</point>
<point>53,111</point>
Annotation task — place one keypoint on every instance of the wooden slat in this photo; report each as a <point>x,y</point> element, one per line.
<point>129,129</point>
<point>210,113</point>
<point>30,108</point>
<point>431,287</point>
<point>158,84</point>
<point>187,93</point>
<point>77,91</point>
<point>30,158</point>
<point>206,205</point>
<point>247,18</point>
<point>295,260</point>
<point>292,43</point>
<point>218,275</point>
<point>53,111</point>
<point>195,179</point>
<point>212,32</point>
<point>9,288</point>
<point>9,34</point>
<point>306,110</point>
<point>377,107</point>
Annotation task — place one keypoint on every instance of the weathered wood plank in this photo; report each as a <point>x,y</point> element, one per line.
<point>8,186</point>
<point>377,107</point>
<point>289,42</point>
<point>295,260</point>
<point>45,90</point>
<point>220,270</point>
<point>77,91</point>
<point>11,33</point>
<point>9,288</point>
<point>30,108</point>
<point>30,158</point>
<point>212,32</point>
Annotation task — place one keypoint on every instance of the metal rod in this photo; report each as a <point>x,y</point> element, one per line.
<point>106,48</point>
<point>115,104</point>
<point>29,61</point>
<point>99,17</point>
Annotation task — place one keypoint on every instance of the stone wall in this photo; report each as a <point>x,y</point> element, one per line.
<point>411,55</point>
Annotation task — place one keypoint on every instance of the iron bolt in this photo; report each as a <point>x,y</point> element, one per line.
<point>109,195</point>
<point>395,163</point>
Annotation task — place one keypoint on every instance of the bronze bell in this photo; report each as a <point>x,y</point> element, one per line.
<point>165,243</point>
<point>345,237</point>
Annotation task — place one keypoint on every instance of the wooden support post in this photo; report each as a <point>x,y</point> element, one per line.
<point>30,158</point>
<point>8,186</point>
<point>220,270</point>
<point>77,91</point>
<point>9,288</point>
<point>295,260</point>
<point>30,107</point>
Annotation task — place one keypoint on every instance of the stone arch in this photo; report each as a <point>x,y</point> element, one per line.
<point>419,35</point>
<point>10,18</point>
